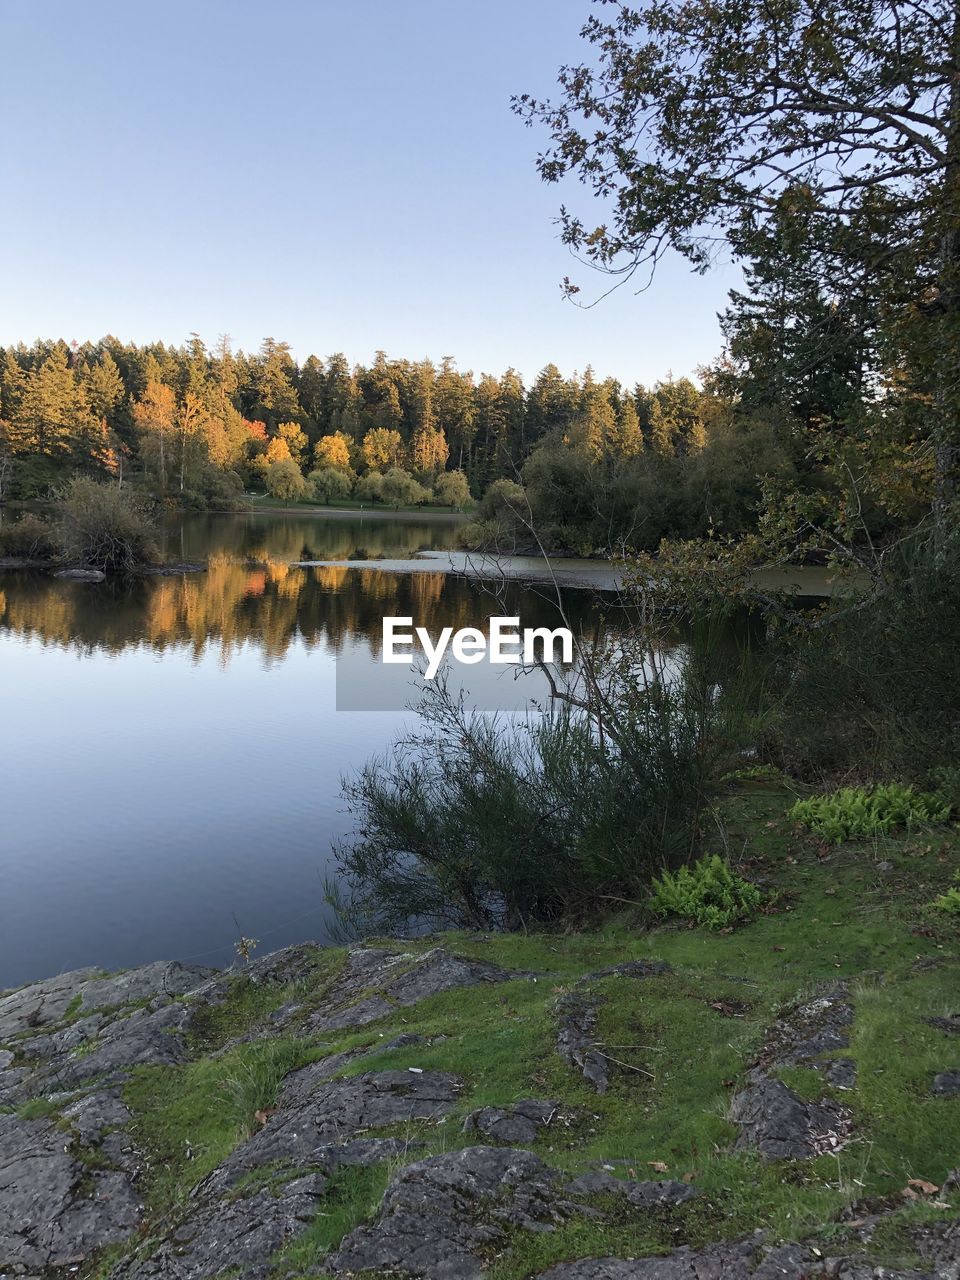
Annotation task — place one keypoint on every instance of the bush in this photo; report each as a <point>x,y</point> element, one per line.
<point>855,812</point>
<point>103,527</point>
<point>29,538</point>
<point>285,481</point>
<point>708,894</point>
<point>484,823</point>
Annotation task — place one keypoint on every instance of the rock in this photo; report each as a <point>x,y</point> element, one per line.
<point>41,1003</point>
<point>576,1040</point>
<point>783,1127</point>
<point>440,1216</point>
<point>6,1058</point>
<point>518,1123</point>
<point>54,1209</point>
<point>946,1084</point>
<point>355,1015</point>
<point>949,1025</point>
<point>234,1233</point>
<point>643,1195</point>
<point>81,575</point>
<point>375,982</point>
<point>771,1116</point>
<point>722,1262</point>
<point>148,982</point>
<point>315,1114</point>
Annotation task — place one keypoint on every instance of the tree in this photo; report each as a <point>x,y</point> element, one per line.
<point>276,395</point>
<point>400,489</point>
<point>285,480</point>
<point>428,451</point>
<point>50,413</point>
<point>331,484</point>
<point>296,440</point>
<point>381,449</point>
<point>369,488</point>
<point>676,426</point>
<point>692,120</point>
<point>154,416</point>
<point>452,489</point>
<point>191,425</point>
<point>333,451</point>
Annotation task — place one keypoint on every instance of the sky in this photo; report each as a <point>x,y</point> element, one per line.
<point>341,176</point>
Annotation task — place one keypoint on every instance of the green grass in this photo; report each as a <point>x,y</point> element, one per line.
<point>190,1118</point>
<point>681,1043</point>
<point>352,1196</point>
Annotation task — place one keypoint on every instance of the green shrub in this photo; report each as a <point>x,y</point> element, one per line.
<point>855,812</point>
<point>490,823</point>
<point>708,893</point>
<point>950,901</point>
<point>29,538</point>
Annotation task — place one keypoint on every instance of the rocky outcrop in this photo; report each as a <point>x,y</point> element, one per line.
<point>73,1180</point>
<point>772,1118</point>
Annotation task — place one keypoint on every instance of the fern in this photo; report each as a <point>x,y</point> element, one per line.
<point>708,893</point>
<point>950,901</point>
<point>855,812</point>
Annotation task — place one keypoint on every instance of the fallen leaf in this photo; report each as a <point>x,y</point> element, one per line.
<point>659,1166</point>
<point>263,1116</point>
<point>925,1188</point>
<point>691,1175</point>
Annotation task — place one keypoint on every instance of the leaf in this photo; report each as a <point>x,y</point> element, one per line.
<point>659,1166</point>
<point>924,1187</point>
<point>263,1116</point>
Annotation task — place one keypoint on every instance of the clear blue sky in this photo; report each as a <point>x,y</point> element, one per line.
<point>344,176</point>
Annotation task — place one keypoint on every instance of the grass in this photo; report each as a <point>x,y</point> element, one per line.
<point>190,1118</point>
<point>352,1195</point>
<point>680,1042</point>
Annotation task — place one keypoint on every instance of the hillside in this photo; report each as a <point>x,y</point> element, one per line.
<point>779,1099</point>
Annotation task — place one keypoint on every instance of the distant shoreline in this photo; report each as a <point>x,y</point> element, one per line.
<point>375,513</point>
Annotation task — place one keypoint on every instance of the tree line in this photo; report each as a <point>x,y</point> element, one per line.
<point>200,426</point>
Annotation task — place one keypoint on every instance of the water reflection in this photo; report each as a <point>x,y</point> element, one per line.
<point>172,751</point>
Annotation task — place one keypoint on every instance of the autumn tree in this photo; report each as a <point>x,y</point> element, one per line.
<point>382,448</point>
<point>333,451</point>
<point>154,414</point>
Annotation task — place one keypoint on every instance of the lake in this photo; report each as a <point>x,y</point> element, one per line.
<point>172,748</point>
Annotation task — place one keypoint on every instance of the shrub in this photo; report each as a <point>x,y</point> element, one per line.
<point>855,812</point>
<point>478,822</point>
<point>285,480</point>
<point>708,893</point>
<point>103,527</point>
<point>29,537</point>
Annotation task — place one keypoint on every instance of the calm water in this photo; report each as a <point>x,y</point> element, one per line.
<point>172,752</point>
